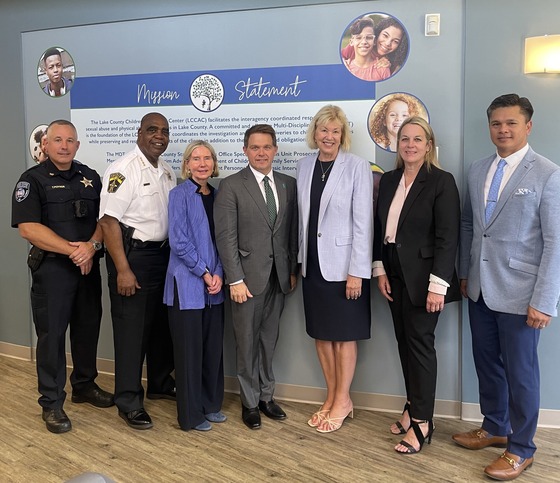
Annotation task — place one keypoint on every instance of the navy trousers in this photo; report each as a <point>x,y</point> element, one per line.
<point>507,365</point>
<point>60,297</point>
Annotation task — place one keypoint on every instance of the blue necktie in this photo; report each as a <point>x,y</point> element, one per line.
<point>494,190</point>
<point>270,201</point>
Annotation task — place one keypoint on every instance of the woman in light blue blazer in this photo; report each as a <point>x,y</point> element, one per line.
<point>335,202</point>
<point>193,292</point>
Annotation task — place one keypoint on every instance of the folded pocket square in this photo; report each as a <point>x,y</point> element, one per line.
<point>522,192</point>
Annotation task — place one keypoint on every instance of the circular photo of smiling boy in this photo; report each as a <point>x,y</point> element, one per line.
<point>374,47</point>
<point>56,72</point>
<point>387,115</point>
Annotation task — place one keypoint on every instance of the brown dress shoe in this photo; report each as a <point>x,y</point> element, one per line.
<point>478,439</point>
<point>508,467</point>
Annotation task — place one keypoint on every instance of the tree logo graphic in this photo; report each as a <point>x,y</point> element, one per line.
<point>207,93</point>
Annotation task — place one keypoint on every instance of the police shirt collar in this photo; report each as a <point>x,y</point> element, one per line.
<point>54,171</point>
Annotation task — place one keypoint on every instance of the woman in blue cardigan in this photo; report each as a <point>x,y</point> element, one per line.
<point>193,292</point>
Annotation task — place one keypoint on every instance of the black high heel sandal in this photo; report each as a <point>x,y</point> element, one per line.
<point>415,425</point>
<point>402,429</point>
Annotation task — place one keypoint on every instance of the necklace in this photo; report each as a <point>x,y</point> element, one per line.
<point>325,171</point>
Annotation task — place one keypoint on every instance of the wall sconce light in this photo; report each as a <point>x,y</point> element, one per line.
<point>542,55</point>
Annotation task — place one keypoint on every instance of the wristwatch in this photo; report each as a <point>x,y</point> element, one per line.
<point>96,245</point>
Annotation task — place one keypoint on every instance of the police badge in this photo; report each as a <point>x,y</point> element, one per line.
<point>22,190</point>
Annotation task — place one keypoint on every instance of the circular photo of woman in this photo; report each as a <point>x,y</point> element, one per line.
<point>56,72</point>
<point>374,47</point>
<point>387,115</point>
<point>36,143</point>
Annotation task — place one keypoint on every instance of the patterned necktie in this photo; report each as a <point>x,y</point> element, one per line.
<point>270,201</point>
<point>494,190</point>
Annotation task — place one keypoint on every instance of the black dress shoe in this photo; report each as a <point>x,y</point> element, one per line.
<point>137,419</point>
<point>95,396</point>
<point>272,410</point>
<point>171,394</point>
<point>251,417</point>
<point>56,420</point>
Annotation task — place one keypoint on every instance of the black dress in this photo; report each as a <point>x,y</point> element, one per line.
<point>329,315</point>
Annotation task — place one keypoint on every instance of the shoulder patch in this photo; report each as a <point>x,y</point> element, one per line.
<point>115,181</point>
<point>22,191</point>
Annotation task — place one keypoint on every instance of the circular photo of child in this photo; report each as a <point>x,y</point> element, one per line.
<point>56,72</point>
<point>374,47</point>
<point>387,115</point>
<point>36,143</point>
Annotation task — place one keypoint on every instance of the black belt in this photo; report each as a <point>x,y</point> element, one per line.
<point>55,255</point>
<point>139,244</point>
<point>61,255</point>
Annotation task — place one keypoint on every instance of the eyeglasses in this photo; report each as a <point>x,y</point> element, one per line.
<point>367,38</point>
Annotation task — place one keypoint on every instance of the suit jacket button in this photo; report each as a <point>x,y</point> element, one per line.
<point>271,256</point>
<point>318,234</point>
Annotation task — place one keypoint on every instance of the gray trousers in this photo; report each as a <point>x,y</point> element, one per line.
<point>255,325</point>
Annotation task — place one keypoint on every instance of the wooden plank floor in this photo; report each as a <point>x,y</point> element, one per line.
<point>289,451</point>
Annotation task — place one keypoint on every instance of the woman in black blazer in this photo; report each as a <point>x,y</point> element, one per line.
<point>415,245</point>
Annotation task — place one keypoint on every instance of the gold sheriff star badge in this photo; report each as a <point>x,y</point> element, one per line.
<point>87,182</point>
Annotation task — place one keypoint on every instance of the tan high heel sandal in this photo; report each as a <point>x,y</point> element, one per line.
<point>334,424</point>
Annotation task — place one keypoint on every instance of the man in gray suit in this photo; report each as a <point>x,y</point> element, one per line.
<point>510,271</point>
<point>255,215</point>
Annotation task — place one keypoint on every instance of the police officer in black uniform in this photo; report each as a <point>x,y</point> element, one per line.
<point>55,207</point>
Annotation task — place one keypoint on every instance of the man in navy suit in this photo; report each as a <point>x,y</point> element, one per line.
<point>510,271</point>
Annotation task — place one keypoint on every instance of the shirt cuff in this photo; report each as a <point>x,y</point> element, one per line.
<point>436,288</point>
<point>378,269</point>
<point>439,281</point>
<point>236,283</point>
<point>437,285</point>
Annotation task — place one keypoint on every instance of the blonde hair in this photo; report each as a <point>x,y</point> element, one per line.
<point>431,158</point>
<point>377,124</point>
<point>325,115</point>
<point>185,171</point>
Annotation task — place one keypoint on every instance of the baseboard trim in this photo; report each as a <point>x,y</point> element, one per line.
<point>17,351</point>
<point>548,418</point>
<point>361,400</point>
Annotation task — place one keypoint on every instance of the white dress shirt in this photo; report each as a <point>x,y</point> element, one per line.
<point>512,162</point>
<point>260,180</point>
